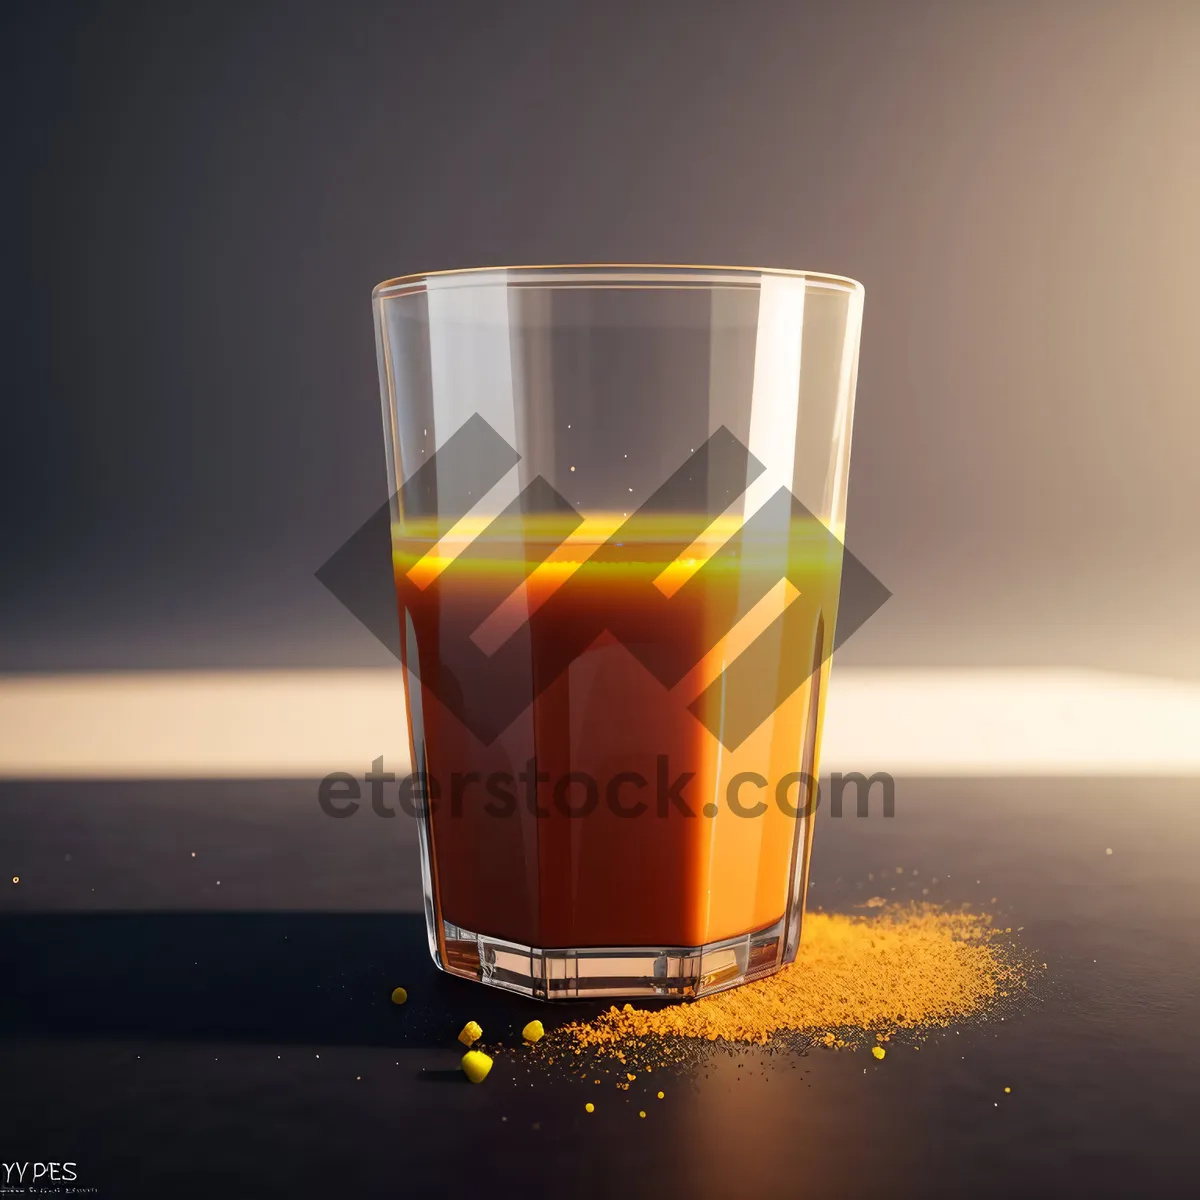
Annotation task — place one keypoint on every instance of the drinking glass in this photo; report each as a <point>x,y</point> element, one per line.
<point>618,497</point>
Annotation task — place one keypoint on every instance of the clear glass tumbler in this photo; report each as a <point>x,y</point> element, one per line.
<point>618,504</point>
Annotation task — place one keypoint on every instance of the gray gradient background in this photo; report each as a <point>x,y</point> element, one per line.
<point>199,199</point>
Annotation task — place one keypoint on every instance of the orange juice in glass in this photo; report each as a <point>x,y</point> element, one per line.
<point>619,495</point>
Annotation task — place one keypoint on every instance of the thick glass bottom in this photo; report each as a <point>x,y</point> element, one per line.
<point>682,972</point>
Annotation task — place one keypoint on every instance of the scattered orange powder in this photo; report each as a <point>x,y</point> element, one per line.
<point>898,968</point>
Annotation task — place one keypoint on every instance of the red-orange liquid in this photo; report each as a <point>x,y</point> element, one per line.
<point>664,877</point>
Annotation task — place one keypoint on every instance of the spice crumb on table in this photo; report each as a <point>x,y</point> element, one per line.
<point>911,967</point>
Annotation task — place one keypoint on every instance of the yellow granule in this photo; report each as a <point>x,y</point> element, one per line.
<point>897,968</point>
<point>476,1065</point>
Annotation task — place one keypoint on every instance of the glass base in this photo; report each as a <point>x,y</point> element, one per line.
<point>681,972</point>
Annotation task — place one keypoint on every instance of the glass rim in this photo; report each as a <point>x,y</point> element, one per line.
<point>646,275</point>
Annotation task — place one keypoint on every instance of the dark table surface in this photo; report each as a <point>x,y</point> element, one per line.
<point>220,1025</point>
